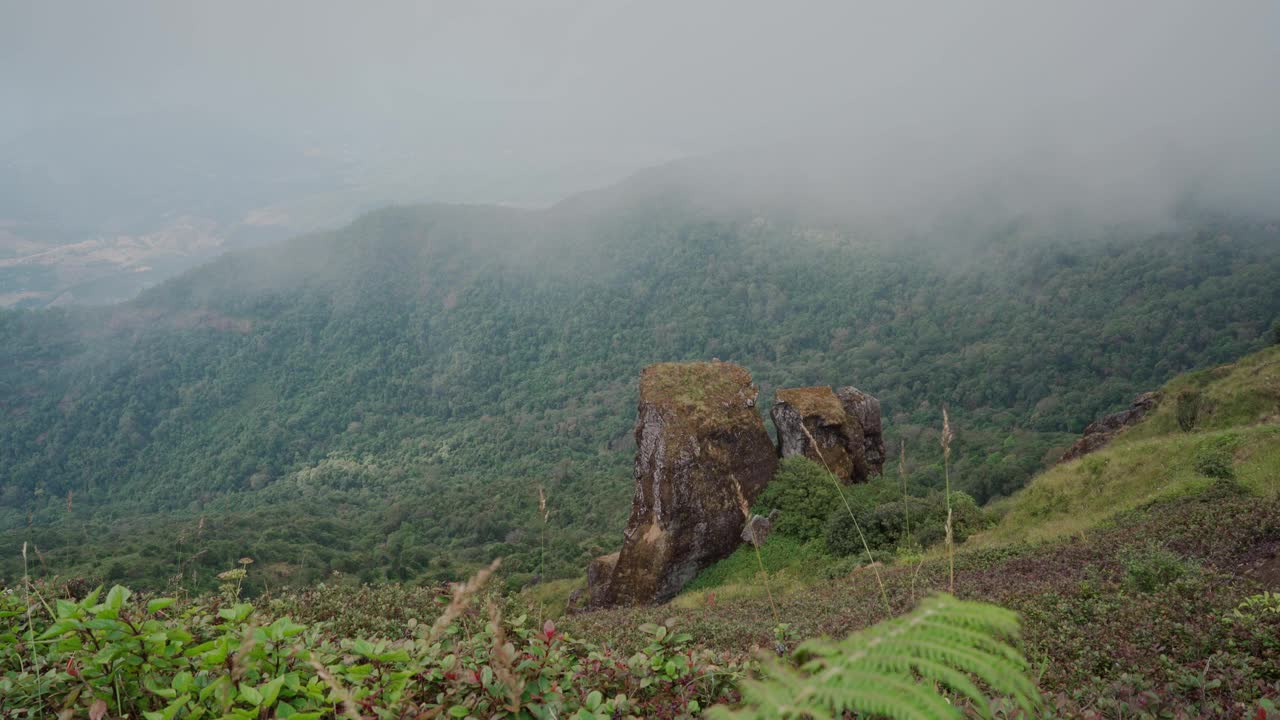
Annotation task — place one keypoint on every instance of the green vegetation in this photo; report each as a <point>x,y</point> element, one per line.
<point>1099,646</point>
<point>1236,437</point>
<point>154,658</point>
<point>1143,575</point>
<point>791,564</point>
<point>804,497</point>
<point>128,656</point>
<point>879,671</point>
<point>1153,567</point>
<point>384,401</point>
<point>884,527</point>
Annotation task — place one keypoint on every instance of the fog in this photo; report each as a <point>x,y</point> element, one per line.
<point>1100,105</point>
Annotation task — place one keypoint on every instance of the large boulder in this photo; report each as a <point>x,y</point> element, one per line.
<point>598,574</point>
<point>865,408</point>
<point>702,456</point>
<point>840,429</point>
<point>1099,433</point>
<point>812,422</point>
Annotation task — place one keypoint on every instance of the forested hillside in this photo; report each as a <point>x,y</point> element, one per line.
<point>384,401</point>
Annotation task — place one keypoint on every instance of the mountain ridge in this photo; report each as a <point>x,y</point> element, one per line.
<point>434,357</point>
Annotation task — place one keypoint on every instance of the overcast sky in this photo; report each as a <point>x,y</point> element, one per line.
<point>598,88</point>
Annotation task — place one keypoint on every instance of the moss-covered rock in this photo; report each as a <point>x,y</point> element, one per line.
<point>702,456</point>
<point>840,430</point>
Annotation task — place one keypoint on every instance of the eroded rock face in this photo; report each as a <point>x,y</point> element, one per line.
<point>697,432</point>
<point>838,437</point>
<point>866,409</point>
<point>844,424</point>
<point>1100,432</point>
<point>758,529</point>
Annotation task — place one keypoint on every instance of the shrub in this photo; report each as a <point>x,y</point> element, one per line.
<point>1152,567</point>
<point>884,527</point>
<point>803,495</point>
<point>119,655</point>
<point>1188,409</point>
<point>1216,459</point>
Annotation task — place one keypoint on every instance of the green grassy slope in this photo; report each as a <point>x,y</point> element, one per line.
<point>1235,432</point>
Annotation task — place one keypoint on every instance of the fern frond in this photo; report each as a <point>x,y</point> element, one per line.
<point>899,668</point>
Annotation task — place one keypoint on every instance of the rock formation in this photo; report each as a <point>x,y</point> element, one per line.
<point>757,530</point>
<point>1100,432</point>
<point>845,427</point>
<point>866,409</point>
<point>702,454</point>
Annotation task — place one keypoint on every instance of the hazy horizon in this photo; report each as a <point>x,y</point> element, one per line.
<point>530,103</point>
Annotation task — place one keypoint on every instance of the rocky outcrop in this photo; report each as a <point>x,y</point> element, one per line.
<point>757,530</point>
<point>702,456</point>
<point>812,422</point>
<point>598,574</point>
<point>839,429</point>
<point>1100,432</point>
<point>866,409</point>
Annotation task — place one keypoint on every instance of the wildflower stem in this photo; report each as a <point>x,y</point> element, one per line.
<point>884,596</point>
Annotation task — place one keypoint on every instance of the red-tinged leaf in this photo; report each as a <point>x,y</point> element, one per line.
<point>549,630</point>
<point>71,668</point>
<point>98,709</point>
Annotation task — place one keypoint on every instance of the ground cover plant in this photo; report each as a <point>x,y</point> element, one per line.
<point>1110,631</point>
<point>114,654</point>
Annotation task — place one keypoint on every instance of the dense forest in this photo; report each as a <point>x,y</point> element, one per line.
<point>385,400</point>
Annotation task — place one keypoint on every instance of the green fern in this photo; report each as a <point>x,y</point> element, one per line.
<point>899,669</point>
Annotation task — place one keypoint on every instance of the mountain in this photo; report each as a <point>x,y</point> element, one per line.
<point>384,400</point>
<point>94,210</point>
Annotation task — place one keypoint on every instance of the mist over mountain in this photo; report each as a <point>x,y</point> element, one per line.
<point>920,119</point>
<point>932,346</point>
<point>432,358</point>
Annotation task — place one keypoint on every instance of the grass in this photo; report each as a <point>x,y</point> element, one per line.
<point>1243,393</point>
<point>788,561</point>
<point>1077,496</point>
<point>550,597</point>
<point>1238,408</point>
<point>702,392</point>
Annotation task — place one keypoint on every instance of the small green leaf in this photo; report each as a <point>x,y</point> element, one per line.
<point>117,596</point>
<point>271,691</point>
<point>250,694</point>
<point>594,699</point>
<point>159,604</point>
<point>459,711</point>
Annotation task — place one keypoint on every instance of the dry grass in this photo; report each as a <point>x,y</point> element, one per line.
<point>462,594</point>
<point>745,507</point>
<point>871,562</point>
<point>947,436</point>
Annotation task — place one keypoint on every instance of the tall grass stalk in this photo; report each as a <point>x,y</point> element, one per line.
<point>871,562</point>
<point>462,593</point>
<point>902,476</point>
<point>542,563</point>
<point>947,436</point>
<point>31,628</point>
<point>745,507</point>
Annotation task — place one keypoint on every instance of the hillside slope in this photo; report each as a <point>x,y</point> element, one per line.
<point>1147,574</point>
<point>1221,423</point>
<point>384,400</point>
